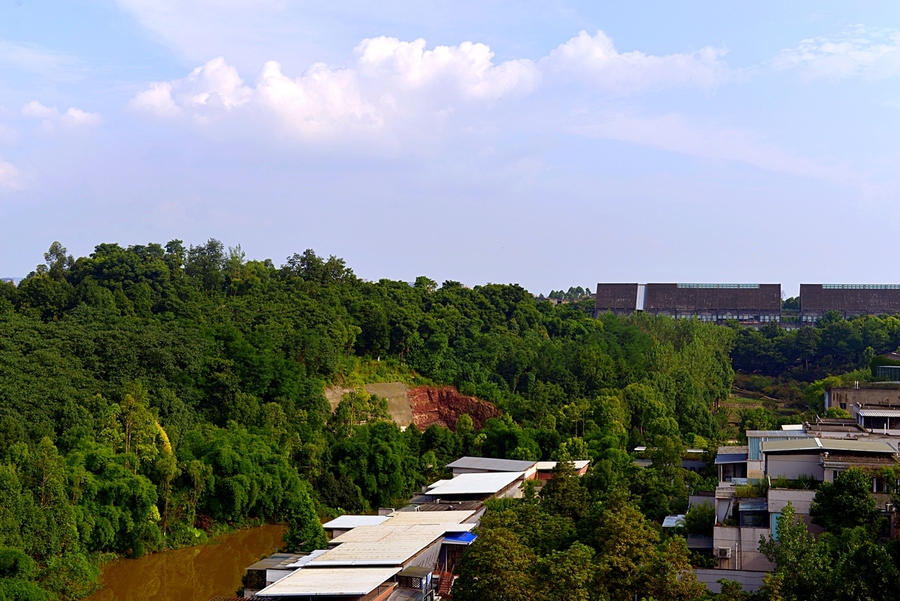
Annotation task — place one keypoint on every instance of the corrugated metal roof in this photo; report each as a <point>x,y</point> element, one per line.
<point>346,522</point>
<point>476,484</point>
<point>724,458</point>
<point>490,464</point>
<point>331,581</point>
<point>391,532</point>
<point>383,545</point>
<point>879,412</point>
<point>826,444</point>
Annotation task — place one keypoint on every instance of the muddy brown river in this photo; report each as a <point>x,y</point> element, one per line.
<point>190,574</point>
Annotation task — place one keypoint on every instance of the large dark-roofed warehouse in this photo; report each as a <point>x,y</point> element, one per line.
<point>747,303</point>
<point>848,299</point>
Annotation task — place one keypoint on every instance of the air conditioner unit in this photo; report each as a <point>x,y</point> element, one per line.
<point>723,552</point>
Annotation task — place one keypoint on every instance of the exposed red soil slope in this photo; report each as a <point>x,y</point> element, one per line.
<point>442,405</point>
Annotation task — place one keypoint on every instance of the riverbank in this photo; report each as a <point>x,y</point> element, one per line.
<point>195,573</point>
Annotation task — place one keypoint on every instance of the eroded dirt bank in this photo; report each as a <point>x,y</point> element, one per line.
<point>443,405</point>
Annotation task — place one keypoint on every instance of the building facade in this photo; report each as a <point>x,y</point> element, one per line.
<point>746,303</point>
<point>849,300</point>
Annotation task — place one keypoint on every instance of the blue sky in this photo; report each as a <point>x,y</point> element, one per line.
<point>550,143</point>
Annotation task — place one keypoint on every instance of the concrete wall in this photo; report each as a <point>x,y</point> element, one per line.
<point>744,544</point>
<point>793,466</point>
<point>779,498</point>
<point>845,397</point>
<point>751,581</point>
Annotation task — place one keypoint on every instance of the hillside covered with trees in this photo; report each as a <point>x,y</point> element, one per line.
<point>152,395</point>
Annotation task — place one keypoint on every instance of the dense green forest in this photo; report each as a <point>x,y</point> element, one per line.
<point>153,395</point>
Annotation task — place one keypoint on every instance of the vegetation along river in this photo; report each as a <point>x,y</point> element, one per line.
<point>190,574</point>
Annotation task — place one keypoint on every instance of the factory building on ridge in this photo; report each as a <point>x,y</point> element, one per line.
<point>746,303</point>
<point>749,304</point>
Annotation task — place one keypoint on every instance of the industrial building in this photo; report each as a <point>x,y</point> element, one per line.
<point>746,303</point>
<point>849,300</point>
<point>750,304</point>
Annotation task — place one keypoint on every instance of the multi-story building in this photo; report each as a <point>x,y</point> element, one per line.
<point>778,467</point>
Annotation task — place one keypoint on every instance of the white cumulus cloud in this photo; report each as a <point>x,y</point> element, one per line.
<point>9,176</point>
<point>386,79</point>
<point>466,71</point>
<point>389,83</point>
<point>594,59</point>
<point>51,117</point>
<point>859,52</point>
<point>210,88</point>
<point>320,101</point>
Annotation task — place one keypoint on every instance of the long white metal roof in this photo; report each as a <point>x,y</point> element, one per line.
<point>476,484</point>
<point>350,582</point>
<point>383,545</point>
<point>346,522</point>
<point>389,533</point>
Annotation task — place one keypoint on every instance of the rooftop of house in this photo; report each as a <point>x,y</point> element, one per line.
<point>732,454</point>
<point>831,445</point>
<point>345,582</point>
<point>491,465</point>
<point>384,545</point>
<point>474,484</point>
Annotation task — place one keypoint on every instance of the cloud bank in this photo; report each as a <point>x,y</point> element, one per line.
<point>387,82</point>
<point>594,59</point>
